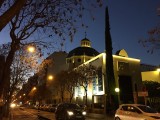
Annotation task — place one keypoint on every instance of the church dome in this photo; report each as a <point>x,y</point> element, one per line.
<point>84,49</point>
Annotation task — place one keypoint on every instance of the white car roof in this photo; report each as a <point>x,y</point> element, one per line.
<point>132,105</point>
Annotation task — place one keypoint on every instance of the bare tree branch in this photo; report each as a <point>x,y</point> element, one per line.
<point>11,12</point>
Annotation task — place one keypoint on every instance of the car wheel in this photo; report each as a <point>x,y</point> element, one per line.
<point>117,118</point>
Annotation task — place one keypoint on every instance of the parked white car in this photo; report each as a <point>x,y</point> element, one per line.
<point>136,112</point>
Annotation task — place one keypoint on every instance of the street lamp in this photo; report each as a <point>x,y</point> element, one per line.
<point>50,77</point>
<point>117,90</point>
<point>31,49</point>
<point>158,69</point>
<point>34,88</point>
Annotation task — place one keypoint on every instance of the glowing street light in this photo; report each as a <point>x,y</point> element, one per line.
<point>34,88</point>
<point>117,90</point>
<point>158,69</point>
<point>50,77</point>
<point>31,49</point>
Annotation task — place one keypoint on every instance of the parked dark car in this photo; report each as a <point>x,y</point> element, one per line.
<point>69,111</point>
<point>52,107</point>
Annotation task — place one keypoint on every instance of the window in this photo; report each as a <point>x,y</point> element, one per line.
<point>125,108</point>
<point>79,60</point>
<point>123,66</point>
<point>131,109</point>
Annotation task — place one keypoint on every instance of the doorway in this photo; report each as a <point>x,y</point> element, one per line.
<point>126,89</point>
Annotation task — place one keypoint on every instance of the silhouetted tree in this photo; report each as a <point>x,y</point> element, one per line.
<point>153,88</point>
<point>60,82</point>
<point>42,19</point>
<point>152,42</point>
<point>86,75</point>
<point>110,81</point>
<point>72,82</point>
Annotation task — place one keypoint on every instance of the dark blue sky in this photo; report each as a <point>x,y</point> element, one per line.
<point>130,21</point>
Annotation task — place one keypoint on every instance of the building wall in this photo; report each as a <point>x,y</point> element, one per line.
<point>151,76</point>
<point>59,62</point>
<point>75,61</point>
<point>58,65</point>
<point>128,67</point>
<point>122,66</point>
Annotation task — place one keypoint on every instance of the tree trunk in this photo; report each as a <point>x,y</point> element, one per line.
<point>86,97</point>
<point>6,107</point>
<point>5,82</point>
<point>71,97</point>
<point>62,96</point>
<point>11,12</point>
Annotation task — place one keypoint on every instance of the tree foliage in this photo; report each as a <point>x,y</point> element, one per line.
<point>42,93</point>
<point>153,88</point>
<point>72,82</point>
<point>38,20</point>
<point>66,81</point>
<point>42,19</point>
<point>23,65</point>
<point>86,74</point>
<point>152,43</point>
<point>60,82</point>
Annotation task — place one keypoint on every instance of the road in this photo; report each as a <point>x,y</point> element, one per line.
<point>32,114</point>
<point>20,114</point>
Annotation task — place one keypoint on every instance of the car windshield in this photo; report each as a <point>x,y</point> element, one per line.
<point>73,106</point>
<point>147,109</point>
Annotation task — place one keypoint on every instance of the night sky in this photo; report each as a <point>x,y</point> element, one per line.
<point>130,21</point>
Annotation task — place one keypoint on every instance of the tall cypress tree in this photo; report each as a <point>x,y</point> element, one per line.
<point>111,102</point>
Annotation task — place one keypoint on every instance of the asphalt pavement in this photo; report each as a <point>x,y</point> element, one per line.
<point>89,116</point>
<point>43,115</point>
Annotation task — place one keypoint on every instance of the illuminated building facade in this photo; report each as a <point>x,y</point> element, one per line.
<point>127,77</point>
<point>150,73</point>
